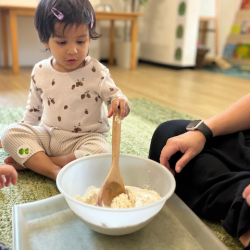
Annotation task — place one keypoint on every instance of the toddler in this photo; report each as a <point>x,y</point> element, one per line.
<point>67,94</point>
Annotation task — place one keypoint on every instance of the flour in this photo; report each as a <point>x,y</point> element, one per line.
<point>134,197</point>
<point>90,196</point>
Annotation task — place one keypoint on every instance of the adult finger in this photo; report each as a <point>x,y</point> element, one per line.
<point>171,171</point>
<point>183,161</point>
<point>248,200</point>
<point>246,192</point>
<point>166,154</point>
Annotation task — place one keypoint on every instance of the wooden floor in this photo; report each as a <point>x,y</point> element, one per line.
<point>194,92</point>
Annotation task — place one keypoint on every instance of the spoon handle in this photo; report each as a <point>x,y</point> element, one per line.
<point>116,138</point>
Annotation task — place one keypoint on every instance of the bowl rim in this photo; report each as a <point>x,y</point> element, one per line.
<point>69,165</point>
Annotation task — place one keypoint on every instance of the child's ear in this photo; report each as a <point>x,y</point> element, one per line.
<point>46,45</point>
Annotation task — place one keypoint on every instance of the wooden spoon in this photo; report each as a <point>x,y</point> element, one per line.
<point>113,185</point>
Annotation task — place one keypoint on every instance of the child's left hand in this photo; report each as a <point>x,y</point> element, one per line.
<point>124,108</point>
<point>10,175</point>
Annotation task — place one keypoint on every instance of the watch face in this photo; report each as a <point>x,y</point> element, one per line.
<point>193,124</point>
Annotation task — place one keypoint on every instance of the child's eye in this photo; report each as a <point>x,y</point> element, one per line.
<point>81,42</point>
<point>61,43</point>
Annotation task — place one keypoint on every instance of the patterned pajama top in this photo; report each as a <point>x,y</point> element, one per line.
<point>72,101</point>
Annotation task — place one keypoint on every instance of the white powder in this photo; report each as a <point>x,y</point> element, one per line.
<point>135,197</point>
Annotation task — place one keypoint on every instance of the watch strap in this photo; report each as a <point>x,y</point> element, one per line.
<point>206,131</point>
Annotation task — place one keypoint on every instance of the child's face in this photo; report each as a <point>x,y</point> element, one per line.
<point>69,48</point>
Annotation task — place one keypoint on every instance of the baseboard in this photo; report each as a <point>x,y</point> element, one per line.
<point>165,65</point>
<point>156,64</point>
<point>104,60</point>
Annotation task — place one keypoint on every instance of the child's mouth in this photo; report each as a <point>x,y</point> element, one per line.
<point>71,61</point>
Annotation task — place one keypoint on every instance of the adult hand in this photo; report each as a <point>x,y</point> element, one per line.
<point>124,108</point>
<point>190,144</point>
<point>10,175</point>
<point>246,194</point>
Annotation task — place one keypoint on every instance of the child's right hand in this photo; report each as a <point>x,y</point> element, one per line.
<point>124,107</point>
<point>10,175</point>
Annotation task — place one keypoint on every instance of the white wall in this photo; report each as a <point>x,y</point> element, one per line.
<point>31,50</point>
<point>159,42</point>
<point>29,3</point>
<point>227,13</point>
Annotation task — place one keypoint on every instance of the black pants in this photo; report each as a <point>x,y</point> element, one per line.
<point>212,183</point>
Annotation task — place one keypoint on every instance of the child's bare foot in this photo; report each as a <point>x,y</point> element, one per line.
<point>62,160</point>
<point>10,161</point>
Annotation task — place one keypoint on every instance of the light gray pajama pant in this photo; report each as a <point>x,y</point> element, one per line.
<point>22,140</point>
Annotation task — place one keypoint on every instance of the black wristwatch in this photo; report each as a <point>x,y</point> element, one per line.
<point>202,127</point>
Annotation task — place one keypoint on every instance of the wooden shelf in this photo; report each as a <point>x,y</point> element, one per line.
<point>237,61</point>
<point>241,17</point>
<point>239,38</point>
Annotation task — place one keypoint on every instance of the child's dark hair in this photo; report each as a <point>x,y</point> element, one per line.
<point>74,11</point>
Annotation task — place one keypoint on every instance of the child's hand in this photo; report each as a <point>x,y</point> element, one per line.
<point>124,108</point>
<point>10,175</point>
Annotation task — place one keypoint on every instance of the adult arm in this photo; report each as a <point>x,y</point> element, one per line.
<point>233,119</point>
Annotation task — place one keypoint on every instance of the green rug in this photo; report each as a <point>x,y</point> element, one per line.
<point>137,130</point>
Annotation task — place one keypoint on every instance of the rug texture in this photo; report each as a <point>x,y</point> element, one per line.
<point>137,130</point>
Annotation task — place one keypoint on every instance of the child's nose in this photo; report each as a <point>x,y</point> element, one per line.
<point>71,50</point>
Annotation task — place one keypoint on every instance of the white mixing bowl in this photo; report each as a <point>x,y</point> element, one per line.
<point>136,171</point>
